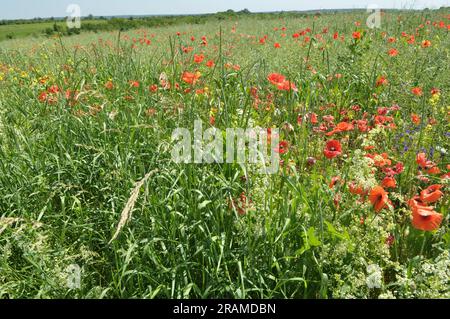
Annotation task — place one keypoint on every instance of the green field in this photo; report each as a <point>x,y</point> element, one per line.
<point>33,29</point>
<point>359,207</point>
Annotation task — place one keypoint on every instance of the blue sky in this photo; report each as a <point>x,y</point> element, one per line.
<point>14,9</point>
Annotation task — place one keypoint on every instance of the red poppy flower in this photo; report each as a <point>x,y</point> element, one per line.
<point>445,176</point>
<point>187,49</point>
<point>210,64</point>
<point>378,197</point>
<point>393,52</point>
<point>356,35</point>
<point>389,182</point>
<point>286,86</point>
<point>415,118</point>
<point>134,84</point>
<point>382,81</point>
<point>276,78</point>
<point>334,180</point>
<point>280,81</point>
<point>282,147</point>
<point>433,170</point>
<point>332,149</point>
<point>53,89</point>
<point>277,45</point>
<point>421,159</point>
<point>435,91</point>
<point>426,43</point>
<point>341,127</point>
<point>190,78</point>
<point>399,167</point>
<point>424,217</point>
<point>431,194</point>
<point>417,91</point>
<point>198,58</point>
<point>109,85</point>
<point>42,97</point>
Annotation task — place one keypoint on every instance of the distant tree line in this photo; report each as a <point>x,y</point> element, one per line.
<point>97,24</point>
<point>154,20</point>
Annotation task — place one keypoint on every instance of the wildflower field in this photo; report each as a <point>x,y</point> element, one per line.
<point>359,205</point>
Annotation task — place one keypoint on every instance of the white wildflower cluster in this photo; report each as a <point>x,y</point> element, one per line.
<point>386,295</point>
<point>429,279</point>
<point>377,132</point>
<point>371,138</point>
<point>360,170</point>
<point>441,150</point>
<point>374,276</point>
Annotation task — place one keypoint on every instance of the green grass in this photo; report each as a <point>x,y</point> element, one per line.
<point>23,30</point>
<point>67,169</point>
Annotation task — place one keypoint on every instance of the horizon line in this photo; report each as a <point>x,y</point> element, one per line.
<point>211,13</point>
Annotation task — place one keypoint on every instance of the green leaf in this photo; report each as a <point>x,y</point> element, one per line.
<point>203,204</point>
<point>312,238</point>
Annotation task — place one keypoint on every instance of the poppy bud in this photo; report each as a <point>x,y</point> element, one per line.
<point>311,161</point>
